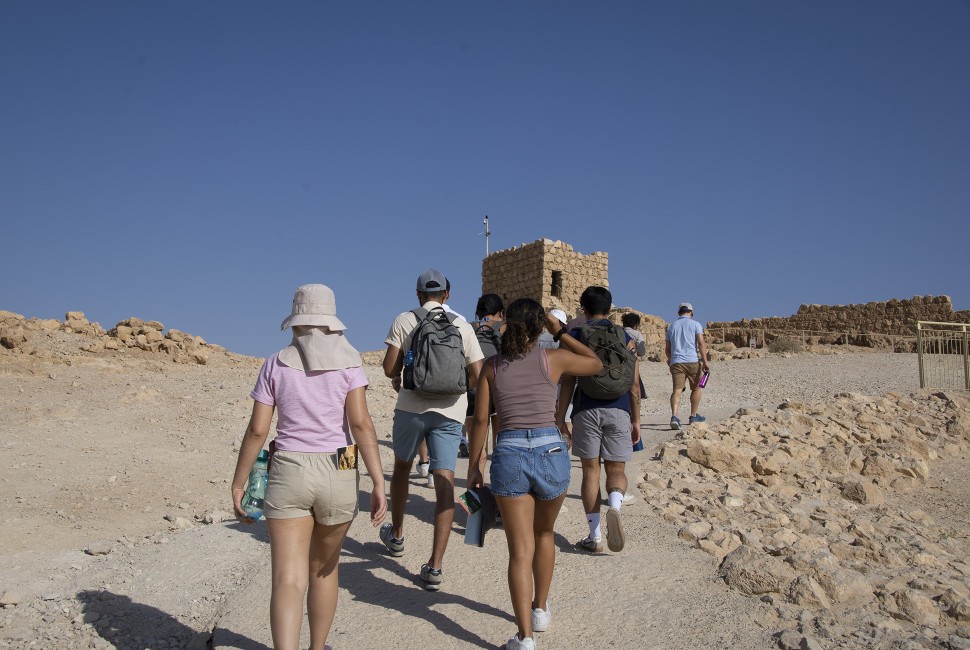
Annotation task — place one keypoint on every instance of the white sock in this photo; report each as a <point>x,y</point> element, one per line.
<point>593,519</point>
<point>616,499</point>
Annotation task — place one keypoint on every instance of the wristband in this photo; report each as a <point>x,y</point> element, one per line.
<point>558,335</point>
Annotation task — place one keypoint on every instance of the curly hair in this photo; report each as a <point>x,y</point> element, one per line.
<point>524,320</point>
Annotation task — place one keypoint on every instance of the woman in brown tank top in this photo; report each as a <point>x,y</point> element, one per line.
<point>530,462</point>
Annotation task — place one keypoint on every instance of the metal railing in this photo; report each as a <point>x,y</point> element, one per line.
<point>944,354</point>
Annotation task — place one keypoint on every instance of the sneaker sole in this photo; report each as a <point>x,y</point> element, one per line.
<point>614,530</point>
<point>430,586</point>
<point>675,426</point>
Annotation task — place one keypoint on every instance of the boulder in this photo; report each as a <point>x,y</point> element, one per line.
<point>752,572</point>
<point>862,492</point>
<point>720,457</point>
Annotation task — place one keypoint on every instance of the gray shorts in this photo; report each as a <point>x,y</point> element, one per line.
<point>603,433</point>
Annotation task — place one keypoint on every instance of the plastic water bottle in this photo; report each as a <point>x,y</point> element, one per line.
<point>252,501</point>
<point>703,381</point>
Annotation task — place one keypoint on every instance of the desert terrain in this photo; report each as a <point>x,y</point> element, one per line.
<point>824,504</point>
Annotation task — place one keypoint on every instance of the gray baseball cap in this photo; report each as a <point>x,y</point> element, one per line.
<point>685,307</point>
<point>431,281</point>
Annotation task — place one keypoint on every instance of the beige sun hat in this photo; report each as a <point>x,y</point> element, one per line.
<point>314,305</point>
<point>318,335</point>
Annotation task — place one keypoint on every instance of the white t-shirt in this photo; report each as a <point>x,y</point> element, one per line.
<point>453,406</point>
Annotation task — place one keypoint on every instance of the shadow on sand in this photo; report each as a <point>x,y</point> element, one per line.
<point>128,624</point>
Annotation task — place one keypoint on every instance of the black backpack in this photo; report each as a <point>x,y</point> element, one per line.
<point>609,342</point>
<point>437,367</point>
<point>489,338</point>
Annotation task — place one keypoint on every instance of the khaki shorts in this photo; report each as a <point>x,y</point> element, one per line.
<point>684,373</point>
<point>302,484</point>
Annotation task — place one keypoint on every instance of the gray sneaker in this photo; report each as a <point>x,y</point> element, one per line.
<point>394,545</point>
<point>431,578</point>
<point>593,545</point>
<point>675,423</point>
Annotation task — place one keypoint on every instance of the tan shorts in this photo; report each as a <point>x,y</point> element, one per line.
<point>302,484</point>
<point>685,373</point>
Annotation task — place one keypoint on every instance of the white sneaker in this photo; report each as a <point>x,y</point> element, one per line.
<point>423,468</point>
<point>629,498</point>
<point>541,618</point>
<point>515,643</point>
<point>430,480</point>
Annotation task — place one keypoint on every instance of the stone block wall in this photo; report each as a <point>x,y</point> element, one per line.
<point>873,324</point>
<point>547,271</point>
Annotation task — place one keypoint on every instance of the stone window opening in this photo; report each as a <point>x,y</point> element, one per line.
<point>557,284</point>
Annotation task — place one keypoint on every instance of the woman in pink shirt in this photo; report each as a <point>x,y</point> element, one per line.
<point>318,386</point>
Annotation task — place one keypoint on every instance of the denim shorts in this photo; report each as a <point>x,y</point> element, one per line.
<point>443,436</point>
<point>530,461</point>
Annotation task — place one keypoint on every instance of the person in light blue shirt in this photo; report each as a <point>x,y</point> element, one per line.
<point>687,357</point>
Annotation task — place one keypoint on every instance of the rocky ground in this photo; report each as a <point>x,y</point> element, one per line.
<point>838,519</point>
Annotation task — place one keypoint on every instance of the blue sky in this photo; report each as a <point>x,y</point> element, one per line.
<point>195,162</point>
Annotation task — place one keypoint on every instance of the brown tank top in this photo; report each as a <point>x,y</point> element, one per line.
<point>524,396</point>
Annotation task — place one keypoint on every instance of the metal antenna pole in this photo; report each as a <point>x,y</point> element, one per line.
<point>487,233</point>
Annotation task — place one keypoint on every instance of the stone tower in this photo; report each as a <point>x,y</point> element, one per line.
<point>550,272</point>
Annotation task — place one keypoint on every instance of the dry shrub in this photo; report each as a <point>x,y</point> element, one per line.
<point>786,344</point>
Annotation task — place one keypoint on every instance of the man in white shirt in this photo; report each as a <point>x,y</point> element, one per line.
<point>434,419</point>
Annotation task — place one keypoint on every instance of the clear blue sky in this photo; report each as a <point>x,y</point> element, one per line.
<point>193,162</point>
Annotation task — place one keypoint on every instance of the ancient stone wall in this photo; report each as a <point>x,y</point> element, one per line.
<point>874,324</point>
<point>550,272</point>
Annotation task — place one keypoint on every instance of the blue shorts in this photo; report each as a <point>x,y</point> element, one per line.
<point>443,436</point>
<point>530,461</point>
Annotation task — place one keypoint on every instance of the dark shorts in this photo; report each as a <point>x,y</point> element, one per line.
<point>470,411</point>
<point>530,461</point>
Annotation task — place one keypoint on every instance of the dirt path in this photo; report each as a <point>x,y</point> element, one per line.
<point>128,460</point>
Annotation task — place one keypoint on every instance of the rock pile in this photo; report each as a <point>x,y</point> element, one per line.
<point>51,338</point>
<point>793,503</point>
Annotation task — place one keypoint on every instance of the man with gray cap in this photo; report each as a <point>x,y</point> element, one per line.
<point>422,415</point>
<point>687,357</point>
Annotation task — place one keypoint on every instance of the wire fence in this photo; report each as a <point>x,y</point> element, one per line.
<point>944,355</point>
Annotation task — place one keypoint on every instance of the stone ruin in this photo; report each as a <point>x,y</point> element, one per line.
<point>75,335</point>
<point>890,324</point>
<point>547,271</point>
<point>793,505</point>
<point>555,275</point>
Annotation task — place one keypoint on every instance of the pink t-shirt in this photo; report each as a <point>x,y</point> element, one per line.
<point>311,406</point>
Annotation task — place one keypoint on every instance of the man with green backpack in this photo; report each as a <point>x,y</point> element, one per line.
<point>605,417</point>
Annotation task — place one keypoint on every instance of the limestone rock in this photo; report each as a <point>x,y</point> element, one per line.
<point>862,492</point>
<point>720,457</point>
<point>98,548</point>
<point>752,572</point>
<point>917,608</point>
